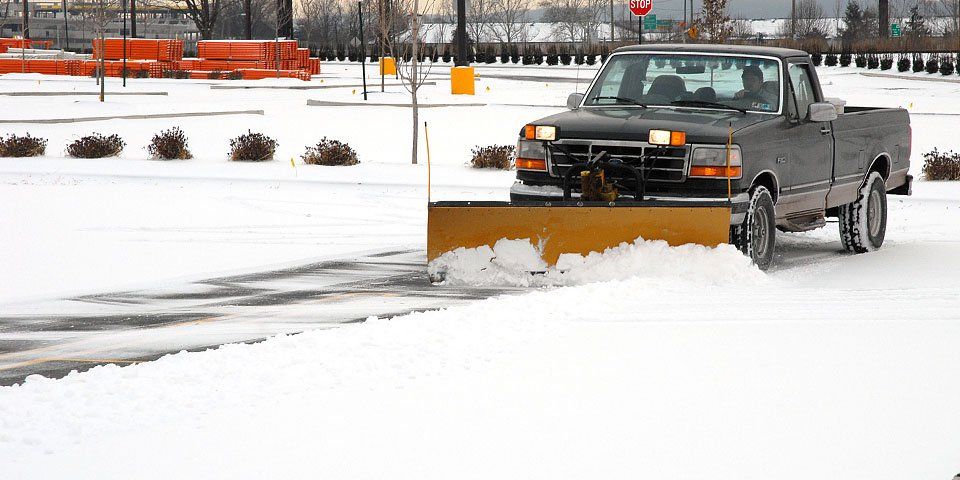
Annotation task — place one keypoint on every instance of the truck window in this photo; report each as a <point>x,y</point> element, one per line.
<point>802,88</point>
<point>688,80</point>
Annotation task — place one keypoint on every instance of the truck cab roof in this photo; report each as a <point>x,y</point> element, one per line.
<point>782,53</point>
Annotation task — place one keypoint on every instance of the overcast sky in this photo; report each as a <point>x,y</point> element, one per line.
<point>743,8</point>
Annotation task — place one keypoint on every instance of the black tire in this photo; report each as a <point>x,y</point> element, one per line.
<point>863,222</point>
<point>756,237</point>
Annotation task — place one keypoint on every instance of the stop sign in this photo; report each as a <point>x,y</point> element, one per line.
<point>641,7</point>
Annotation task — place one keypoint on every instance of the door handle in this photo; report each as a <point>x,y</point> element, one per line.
<point>824,131</point>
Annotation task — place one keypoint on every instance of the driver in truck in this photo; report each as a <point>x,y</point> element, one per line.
<point>752,85</point>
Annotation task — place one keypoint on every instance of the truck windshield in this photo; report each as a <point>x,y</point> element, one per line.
<point>684,80</point>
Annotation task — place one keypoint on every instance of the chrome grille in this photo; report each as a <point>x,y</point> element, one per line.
<point>670,165</point>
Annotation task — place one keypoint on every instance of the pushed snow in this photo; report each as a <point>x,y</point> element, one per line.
<point>510,262</point>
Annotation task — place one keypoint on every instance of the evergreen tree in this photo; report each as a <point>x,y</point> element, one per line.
<point>916,25</point>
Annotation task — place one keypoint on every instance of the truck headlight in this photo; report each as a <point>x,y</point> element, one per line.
<point>540,132</point>
<point>711,162</point>
<point>531,155</point>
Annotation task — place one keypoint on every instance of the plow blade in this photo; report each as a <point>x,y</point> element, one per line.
<point>573,227</point>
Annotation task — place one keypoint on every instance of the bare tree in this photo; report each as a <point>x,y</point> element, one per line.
<point>204,13</point>
<point>741,29</point>
<point>478,18</point>
<point>837,14</point>
<point>321,23</point>
<point>412,73</point>
<point>714,21</point>
<point>810,21</point>
<point>509,20</point>
<point>569,18</point>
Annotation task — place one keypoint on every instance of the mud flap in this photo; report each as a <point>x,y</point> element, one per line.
<point>574,227</point>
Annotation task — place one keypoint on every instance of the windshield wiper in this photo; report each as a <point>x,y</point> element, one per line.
<point>704,103</point>
<point>619,99</point>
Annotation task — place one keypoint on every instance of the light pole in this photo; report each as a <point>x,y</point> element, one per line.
<point>66,31</point>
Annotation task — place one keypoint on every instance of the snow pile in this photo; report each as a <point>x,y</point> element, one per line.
<point>510,262</point>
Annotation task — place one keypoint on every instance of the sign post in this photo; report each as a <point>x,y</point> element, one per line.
<point>640,8</point>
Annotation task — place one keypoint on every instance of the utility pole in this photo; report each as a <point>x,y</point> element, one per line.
<point>793,19</point>
<point>884,17</point>
<point>363,49</point>
<point>123,73</point>
<point>462,34</point>
<point>247,25</point>
<point>611,21</point>
<point>25,22</point>
<point>66,32</point>
<point>683,31</point>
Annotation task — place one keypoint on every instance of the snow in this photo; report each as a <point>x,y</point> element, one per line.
<point>510,262</point>
<point>642,361</point>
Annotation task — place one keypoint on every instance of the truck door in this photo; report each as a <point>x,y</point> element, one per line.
<point>810,162</point>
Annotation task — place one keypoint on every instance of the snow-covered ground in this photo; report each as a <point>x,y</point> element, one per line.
<point>694,366</point>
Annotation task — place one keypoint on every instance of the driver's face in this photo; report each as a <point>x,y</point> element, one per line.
<point>751,83</point>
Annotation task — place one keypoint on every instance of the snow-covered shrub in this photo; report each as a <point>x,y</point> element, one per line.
<point>252,147</point>
<point>538,58</point>
<point>591,58</point>
<point>234,75</point>
<point>553,59</point>
<point>493,156</point>
<point>170,144</point>
<point>903,64</point>
<point>816,57</point>
<point>933,66</point>
<point>946,66</point>
<point>215,75</point>
<point>917,64</point>
<point>340,55</point>
<point>446,56</point>
<point>96,146</point>
<point>374,56</point>
<point>578,58</point>
<point>886,63</point>
<point>831,60</point>
<point>873,62</point>
<point>566,58</point>
<point>845,59</point>
<point>25,146</point>
<point>504,57</point>
<point>941,165</point>
<point>860,60</point>
<point>330,153</point>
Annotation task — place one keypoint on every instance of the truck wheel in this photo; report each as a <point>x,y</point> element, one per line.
<point>863,223</point>
<point>756,236</point>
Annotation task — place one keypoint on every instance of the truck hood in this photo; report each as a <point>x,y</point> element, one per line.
<point>613,123</point>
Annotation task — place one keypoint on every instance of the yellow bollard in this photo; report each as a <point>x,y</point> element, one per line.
<point>461,81</point>
<point>388,66</point>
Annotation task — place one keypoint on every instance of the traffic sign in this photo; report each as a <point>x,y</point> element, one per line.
<point>895,30</point>
<point>650,22</point>
<point>641,7</point>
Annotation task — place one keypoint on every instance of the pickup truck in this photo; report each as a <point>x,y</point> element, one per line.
<point>745,124</point>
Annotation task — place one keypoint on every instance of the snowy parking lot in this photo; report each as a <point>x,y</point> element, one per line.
<point>653,363</point>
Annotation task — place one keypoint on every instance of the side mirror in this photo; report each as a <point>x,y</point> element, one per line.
<point>822,112</point>
<point>573,101</point>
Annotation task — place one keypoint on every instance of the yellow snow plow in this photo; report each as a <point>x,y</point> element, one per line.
<point>598,219</point>
<point>572,227</point>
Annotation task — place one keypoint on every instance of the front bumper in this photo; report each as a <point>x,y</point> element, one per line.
<point>740,202</point>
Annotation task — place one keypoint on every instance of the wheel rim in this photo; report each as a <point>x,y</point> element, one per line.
<point>873,214</point>
<point>760,232</point>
